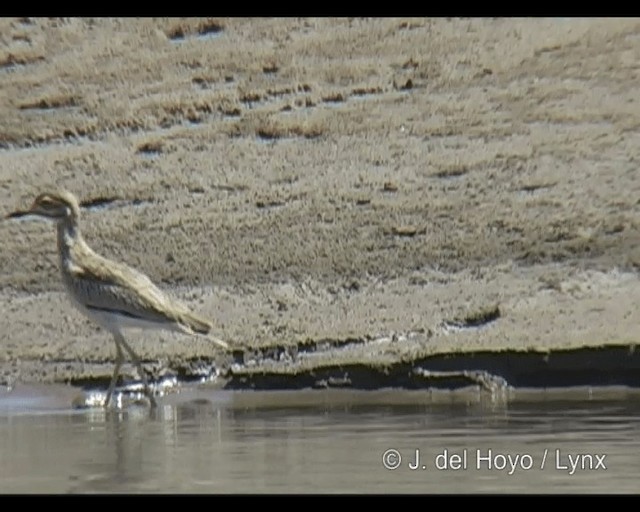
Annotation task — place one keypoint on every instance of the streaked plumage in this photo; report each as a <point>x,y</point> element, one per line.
<point>113,294</point>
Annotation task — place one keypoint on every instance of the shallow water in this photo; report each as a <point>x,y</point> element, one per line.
<point>323,441</point>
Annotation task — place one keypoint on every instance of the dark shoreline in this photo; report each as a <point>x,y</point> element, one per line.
<point>610,365</point>
<point>597,366</point>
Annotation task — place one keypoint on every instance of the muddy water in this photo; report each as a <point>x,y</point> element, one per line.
<point>323,441</point>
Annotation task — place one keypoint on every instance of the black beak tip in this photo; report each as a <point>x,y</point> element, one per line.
<point>17,214</point>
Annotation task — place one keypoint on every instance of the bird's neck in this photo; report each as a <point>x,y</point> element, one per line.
<point>69,237</point>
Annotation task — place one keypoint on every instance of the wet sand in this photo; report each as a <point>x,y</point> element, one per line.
<point>338,196</point>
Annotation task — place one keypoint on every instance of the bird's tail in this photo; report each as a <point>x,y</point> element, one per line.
<point>200,326</point>
<point>218,341</point>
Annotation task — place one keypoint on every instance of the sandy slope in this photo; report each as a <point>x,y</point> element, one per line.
<point>323,179</point>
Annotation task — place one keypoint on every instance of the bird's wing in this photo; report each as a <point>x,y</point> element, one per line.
<point>108,285</point>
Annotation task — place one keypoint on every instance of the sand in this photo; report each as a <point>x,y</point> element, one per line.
<point>332,193</point>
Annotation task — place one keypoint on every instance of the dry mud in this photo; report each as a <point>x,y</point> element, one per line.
<point>354,202</point>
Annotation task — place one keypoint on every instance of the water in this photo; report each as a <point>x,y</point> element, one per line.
<point>330,441</point>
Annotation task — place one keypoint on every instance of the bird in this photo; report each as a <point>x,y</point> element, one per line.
<point>112,294</point>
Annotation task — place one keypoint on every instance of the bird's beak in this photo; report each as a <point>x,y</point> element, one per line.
<point>20,213</point>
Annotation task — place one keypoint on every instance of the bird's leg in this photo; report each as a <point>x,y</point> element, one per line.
<point>143,375</point>
<point>119,361</point>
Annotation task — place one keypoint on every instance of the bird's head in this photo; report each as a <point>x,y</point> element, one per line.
<point>54,205</point>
